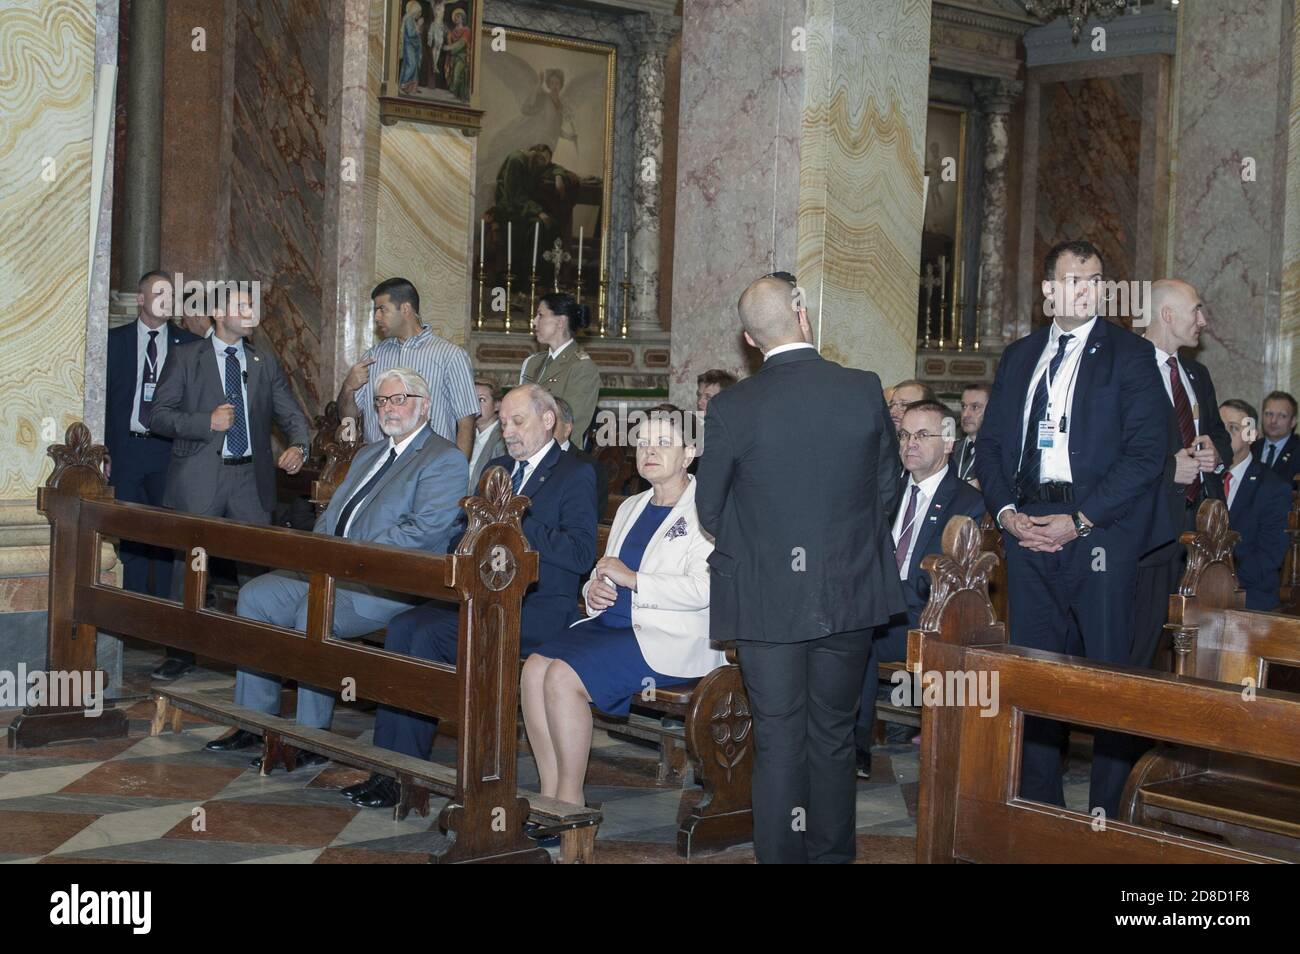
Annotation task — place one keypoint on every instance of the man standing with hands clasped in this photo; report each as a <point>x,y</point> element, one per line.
<point>803,567</point>
<point>1072,450</point>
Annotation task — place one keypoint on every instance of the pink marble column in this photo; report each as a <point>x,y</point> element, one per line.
<point>996,98</point>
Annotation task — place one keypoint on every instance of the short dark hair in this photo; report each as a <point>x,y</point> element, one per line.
<point>483,383</point>
<point>1280,396</point>
<point>977,386</point>
<point>154,274</point>
<point>716,376</point>
<point>1078,248</point>
<point>566,412</point>
<point>399,291</point>
<point>1237,404</point>
<point>944,411</point>
<point>562,303</point>
<point>927,392</point>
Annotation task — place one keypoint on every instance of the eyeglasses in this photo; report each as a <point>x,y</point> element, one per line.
<point>906,437</point>
<point>397,400</point>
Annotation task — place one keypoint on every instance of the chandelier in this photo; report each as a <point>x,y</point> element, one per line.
<point>1077,11</point>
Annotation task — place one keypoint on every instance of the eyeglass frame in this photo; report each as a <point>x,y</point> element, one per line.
<point>919,435</point>
<point>381,400</point>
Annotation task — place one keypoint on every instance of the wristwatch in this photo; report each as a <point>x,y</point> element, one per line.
<point>1081,528</point>
<point>302,449</point>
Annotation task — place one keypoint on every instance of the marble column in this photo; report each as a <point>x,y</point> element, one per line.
<point>143,160</point>
<point>651,34</point>
<point>995,98</point>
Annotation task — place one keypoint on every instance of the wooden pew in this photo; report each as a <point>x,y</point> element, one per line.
<point>969,809</point>
<point>1242,801</point>
<point>487,576</point>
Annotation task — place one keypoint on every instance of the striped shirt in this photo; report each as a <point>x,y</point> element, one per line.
<point>445,368</point>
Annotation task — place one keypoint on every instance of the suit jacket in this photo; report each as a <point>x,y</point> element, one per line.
<point>670,608</point>
<point>964,467</point>
<point>189,390</point>
<point>416,505</point>
<point>602,480</point>
<point>799,512</point>
<point>133,455</point>
<point>496,447</point>
<point>1119,438</point>
<point>572,376</point>
<point>1175,495</point>
<point>1258,513</point>
<point>1287,463</point>
<point>560,524</point>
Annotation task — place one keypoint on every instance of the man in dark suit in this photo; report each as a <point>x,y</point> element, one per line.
<point>138,458</point>
<point>1258,501</point>
<point>1072,452</point>
<point>560,525</point>
<point>216,400</point>
<point>1197,448</point>
<point>1279,448</point>
<point>563,431</point>
<point>974,399</point>
<point>803,567</point>
<point>930,496</point>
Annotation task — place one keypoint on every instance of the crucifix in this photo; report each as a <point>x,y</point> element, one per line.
<point>930,282</point>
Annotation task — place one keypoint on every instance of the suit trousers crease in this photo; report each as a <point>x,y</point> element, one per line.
<point>804,699</point>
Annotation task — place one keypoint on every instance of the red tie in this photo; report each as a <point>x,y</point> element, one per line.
<point>905,538</point>
<point>1183,408</point>
<point>1227,486</point>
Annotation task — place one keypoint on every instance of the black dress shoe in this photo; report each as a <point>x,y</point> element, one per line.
<point>171,669</point>
<point>382,795</point>
<point>239,739</point>
<point>864,763</point>
<point>361,788</point>
<point>304,760</point>
<point>533,830</point>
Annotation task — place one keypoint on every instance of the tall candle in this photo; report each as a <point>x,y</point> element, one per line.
<point>943,271</point>
<point>482,239</point>
<point>579,249</point>
<point>979,286</point>
<point>625,268</point>
<point>537,231</point>
<point>510,241</point>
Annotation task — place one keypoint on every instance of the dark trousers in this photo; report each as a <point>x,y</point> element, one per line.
<point>429,632</point>
<point>1158,575</point>
<point>1078,601</point>
<point>804,698</point>
<point>889,644</point>
<point>145,568</point>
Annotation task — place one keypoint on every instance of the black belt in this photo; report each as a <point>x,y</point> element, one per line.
<point>237,461</point>
<point>1051,491</point>
<point>145,436</point>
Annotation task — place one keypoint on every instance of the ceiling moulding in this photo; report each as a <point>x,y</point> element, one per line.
<point>975,40</point>
<point>999,16</point>
<point>1129,34</point>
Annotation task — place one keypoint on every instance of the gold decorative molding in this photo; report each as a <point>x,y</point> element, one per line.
<point>465,118</point>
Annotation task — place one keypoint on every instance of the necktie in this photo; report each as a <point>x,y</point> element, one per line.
<point>905,538</point>
<point>1031,455</point>
<point>1183,410</point>
<point>967,460</point>
<point>517,479</point>
<point>237,436</point>
<point>1227,488</point>
<point>1269,448</point>
<point>150,377</point>
<point>359,497</point>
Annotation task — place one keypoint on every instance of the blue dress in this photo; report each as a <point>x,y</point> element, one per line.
<point>604,651</point>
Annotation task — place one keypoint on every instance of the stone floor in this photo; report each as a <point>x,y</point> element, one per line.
<point>165,799</point>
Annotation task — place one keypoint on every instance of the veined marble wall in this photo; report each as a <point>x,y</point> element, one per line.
<point>861,173</point>
<point>47,59</point>
<point>1235,105</point>
<point>277,187</point>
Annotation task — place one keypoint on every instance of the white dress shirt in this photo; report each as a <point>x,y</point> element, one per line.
<point>141,348</point>
<point>923,498</point>
<point>374,469</point>
<point>792,346</point>
<point>1055,460</point>
<point>482,437</point>
<point>532,463</point>
<point>219,348</point>
<point>1277,446</point>
<point>1162,365</point>
<point>1238,478</point>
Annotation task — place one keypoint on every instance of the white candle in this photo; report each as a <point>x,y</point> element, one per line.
<point>979,286</point>
<point>482,239</point>
<point>579,249</point>
<point>510,241</point>
<point>537,231</point>
<point>626,274</point>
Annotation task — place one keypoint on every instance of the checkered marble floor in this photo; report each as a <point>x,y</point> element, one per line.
<point>165,799</point>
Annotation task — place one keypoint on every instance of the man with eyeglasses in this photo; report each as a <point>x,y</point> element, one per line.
<point>930,494</point>
<point>1072,453</point>
<point>403,491</point>
<point>904,393</point>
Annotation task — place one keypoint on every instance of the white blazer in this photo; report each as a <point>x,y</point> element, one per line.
<point>670,608</point>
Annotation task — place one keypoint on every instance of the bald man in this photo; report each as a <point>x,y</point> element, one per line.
<point>803,567</point>
<point>1199,445</point>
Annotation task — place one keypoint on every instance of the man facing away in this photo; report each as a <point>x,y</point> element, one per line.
<point>803,567</point>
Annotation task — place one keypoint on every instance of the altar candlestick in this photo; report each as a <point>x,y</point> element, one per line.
<point>510,241</point>
<point>482,240</point>
<point>625,268</point>
<point>537,231</point>
<point>579,249</point>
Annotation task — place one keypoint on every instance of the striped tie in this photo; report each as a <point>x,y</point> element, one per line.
<point>1186,423</point>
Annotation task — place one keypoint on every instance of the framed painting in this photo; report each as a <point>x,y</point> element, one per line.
<point>544,166</point>
<point>431,62</point>
<point>941,232</point>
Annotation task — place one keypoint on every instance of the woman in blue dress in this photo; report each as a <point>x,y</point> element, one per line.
<point>409,64</point>
<point>647,619</point>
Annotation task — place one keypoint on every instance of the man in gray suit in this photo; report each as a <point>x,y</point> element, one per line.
<point>216,400</point>
<point>404,492</point>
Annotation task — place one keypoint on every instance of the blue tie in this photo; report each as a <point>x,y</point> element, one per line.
<point>1031,455</point>
<point>360,496</point>
<point>237,436</point>
<point>1268,456</point>
<point>517,479</point>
